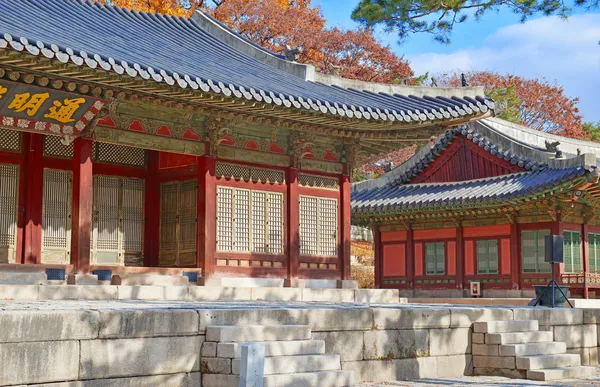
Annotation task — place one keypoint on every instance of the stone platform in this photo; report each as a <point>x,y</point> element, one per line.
<point>159,343</point>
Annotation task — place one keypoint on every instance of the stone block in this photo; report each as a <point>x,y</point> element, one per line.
<point>494,362</point>
<point>577,336</point>
<point>518,337</point>
<point>320,284</point>
<point>19,292</point>
<point>207,293</point>
<point>403,369</point>
<point>22,278</point>
<point>486,350</point>
<point>394,344</point>
<point>48,325</point>
<point>215,380</point>
<point>247,333</point>
<point>215,365</point>
<point>444,342</point>
<point>79,292</point>
<point>594,355</point>
<point>276,294</point>
<point>209,349</point>
<point>347,284</point>
<point>327,295</point>
<point>142,356</point>
<point>276,348</point>
<point>478,338</point>
<point>38,362</point>
<point>549,316</point>
<point>150,293</point>
<point>250,282</point>
<point>348,344</point>
<point>211,282</point>
<point>505,326</point>
<point>504,372</point>
<point>465,317</point>
<point>454,366</point>
<point>148,323</point>
<point>153,280</point>
<point>591,316</point>
<point>533,349</point>
<point>377,296</point>
<point>411,318</point>
<point>583,353</point>
<point>82,279</point>
<point>180,380</point>
<point>317,319</point>
<point>294,283</point>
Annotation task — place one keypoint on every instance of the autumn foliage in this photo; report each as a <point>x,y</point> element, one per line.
<point>539,104</point>
<point>275,24</point>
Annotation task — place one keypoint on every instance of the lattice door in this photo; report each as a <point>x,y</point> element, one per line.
<point>133,221</point>
<point>178,223</point>
<point>106,232</point>
<point>56,217</point>
<point>9,202</point>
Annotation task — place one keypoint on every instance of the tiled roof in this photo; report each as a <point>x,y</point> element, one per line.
<point>180,53</point>
<point>473,192</point>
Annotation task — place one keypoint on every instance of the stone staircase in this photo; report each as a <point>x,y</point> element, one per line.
<point>518,349</point>
<point>292,358</point>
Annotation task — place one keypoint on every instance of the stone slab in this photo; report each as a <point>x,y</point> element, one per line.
<point>327,295</point>
<point>325,378</point>
<point>20,326</point>
<point>577,336</point>
<point>215,365</point>
<point>216,380</point>
<point>248,333</point>
<point>141,356</point>
<point>22,278</point>
<point>79,292</point>
<point>276,294</point>
<point>19,292</point>
<point>395,344</point>
<point>320,284</point>
<point>295,364</point>
<point>193,379</point>
<point>505,326</point>
<point>389,318</point>
<point>82,279</point>
<point>150,293</point>
<point>486,350</point>
<point>533,349</point>
<point>207,293</point>
<point>347,284</point>
<point>494,362</point>
<point>465,317</point>
<point>548,361</point>
<point>274,348</point>
<point>153,280</point>
<point>377,296</point>
<point>348,344</point>
<point>478,338</point>
<point>148,323</point>
<point>209,349</point>
<point>38,362</point>
<point>444,342</point>
<point>519,337</point>
<point>549,316</point>
<point>252,282</point>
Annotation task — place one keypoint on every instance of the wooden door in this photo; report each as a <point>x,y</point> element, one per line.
<point>178,223</point>
<point>56,217</point>
<point>9,203</point>
<point>133,221</point>
<point>106,232</point>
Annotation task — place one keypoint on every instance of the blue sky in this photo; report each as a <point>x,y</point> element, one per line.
<point>563,51</point>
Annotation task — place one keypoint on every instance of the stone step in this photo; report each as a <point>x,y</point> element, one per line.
<point>532,349</point>
<point>276,348</point>
<point>561,373</point>
<point>519,337</point>
<point>150,279</point>
<point>251,333</point>
<point>548,361</point>
<point>505,326</point>
<point>295,364</point>
<point>321,379</point>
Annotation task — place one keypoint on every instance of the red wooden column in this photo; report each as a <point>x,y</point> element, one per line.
<point>152,212</point>
<point>515,262</point>
<point>410,256</point>
<point>293,223</point>
<point>346,224</point>
<point>82,205</point>
<point>377,249</point>
<point>34,180</point>
<point>207,215</point>
<point>585,258</point>
<point>460,257</point>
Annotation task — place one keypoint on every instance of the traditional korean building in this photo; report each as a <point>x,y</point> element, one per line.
<point>137,142</point>
<point>475,205</point>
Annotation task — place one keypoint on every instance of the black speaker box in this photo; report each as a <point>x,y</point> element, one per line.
<point>554,248</point>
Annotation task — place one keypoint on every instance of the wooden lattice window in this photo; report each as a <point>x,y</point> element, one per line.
<point>9,201</point>
<point>487,256</point>
<point>249,221</point>
<point>318,226</point>
<point>572,252</point>
<point>435,258</point>
<point>10,140</point>
<point>246,173</point>
<point>316,181</point>
<point>532,250</point>
<point>56,217</point>
<point>594,252</point>
<point>53,147</point>
<point>119,154</point>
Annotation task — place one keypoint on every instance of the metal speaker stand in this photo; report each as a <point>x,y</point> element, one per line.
<point>551,286</point>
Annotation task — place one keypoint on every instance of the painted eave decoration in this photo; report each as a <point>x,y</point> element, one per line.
<point>153,51</point>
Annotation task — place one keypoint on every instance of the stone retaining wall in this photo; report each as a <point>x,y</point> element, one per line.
<point>162,347</point>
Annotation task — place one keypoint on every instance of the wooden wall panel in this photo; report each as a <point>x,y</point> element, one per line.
<point>391,236</point>
<point>451,254</point>
<point>505,255</point>
<point>418,258</point>
<point>486,231</point>
<point>435,234</point>
<point>470,257</point>
<point>394,260</point>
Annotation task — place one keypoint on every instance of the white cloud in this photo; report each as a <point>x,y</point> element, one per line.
<point>565,51</point>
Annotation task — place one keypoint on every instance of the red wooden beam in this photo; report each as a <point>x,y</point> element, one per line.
<point>378,248</point>
<point>83,194</point>
<point>207,215</point>
<point>410,257</point>
<point>293,224</point>
<point>585,258</point>
<point>345,225</point>
<point>152,212</point>
<point>515,258</point>
<point>460,258</point>
<point>32,233</point>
